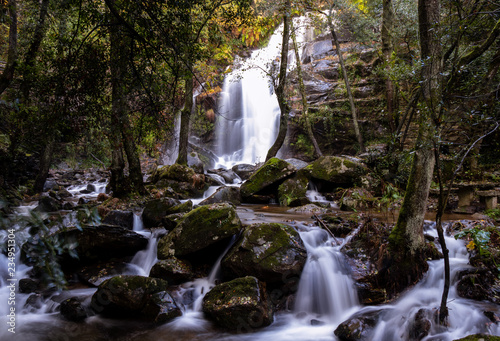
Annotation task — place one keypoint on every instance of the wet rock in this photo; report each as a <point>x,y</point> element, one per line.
<point>127,296</point>
<point>224,194</point>
<point>358,327</point>
<point>73,310</point>
<point>369,295</point>
<point>327,69</point>
<point>201,229</point>
<point>49,184</point>
<point>64,193</point>
<point>298,164</point>
<point>91,188</point>
<point>335,170</point>
<point>271,252</point>
<point>292,192</point>
<point>356,199</point>
<point>173,270</point>
<point>480,337</point>
<point>309,208</point>
<point>28,285</point>
<point>420,325</point>
<point>183,180</point>
<point>273,172</point>
<point>48,204</point>
<point>317,50</point>
<point>155,210</point>
<point>161,308</point>
<point>240,305</point>
<point>170,221</point>
<point>95,274</point>
<point>195,162</point>
<point>120,218</point>
<point>98,243</point>
<point>244,171</point>
<point>230,177</point>
<point>472,285</point>
<point>363,92</point>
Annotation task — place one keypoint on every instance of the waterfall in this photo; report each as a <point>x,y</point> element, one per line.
<point>248,119</point>
<point>325,287</point>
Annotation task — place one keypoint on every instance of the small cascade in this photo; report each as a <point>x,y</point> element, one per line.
<point>144,260</point>
<point>191,296</point>
<point>465,316</point>
<point>325,290</point>
<point>314,195</point>
<point>137,224</point>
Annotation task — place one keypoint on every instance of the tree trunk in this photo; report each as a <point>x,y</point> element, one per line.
<point>185,119</point>
<point>406,241</point>
<point>280,89</point>
<point>8,72</point>
<point>45,161</point>
<point>305,106</point>
<point>134,163</point>
<point>387,50</point>
<point>30,57</point>
<point>354,115</point>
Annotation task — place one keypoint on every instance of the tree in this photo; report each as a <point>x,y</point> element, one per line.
<point>280,88</point>
<point>8,72</point>
<point>406,241</point>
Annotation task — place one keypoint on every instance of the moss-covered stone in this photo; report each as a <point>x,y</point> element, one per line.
<point>174,270</point>
<point>273,171</point>
<point>240,305</point>
<point>199,229</point>
<point>155,210</point>
<point>335,169</point>
<point>292,192</point>
<point>224,194</point>
<point>271,252</point>
<point>184,181</point>
<point>173,172</point>
<point>126,296</point>
<point>480,337</point>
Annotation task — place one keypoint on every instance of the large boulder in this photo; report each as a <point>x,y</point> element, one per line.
<point>358,327</point>
<point>224,194</point>
<point>156,209</point>
<point>244,170</point>
<point>271,252</point>
<point>48,204</point>
<point>240,305</point>
<point>135,296</point>
<point>335,171</point>
<point>184,181</point>
<point>207,228</point>
<point>273,172</point>
<point>98,243</point>
<point>292,192</point>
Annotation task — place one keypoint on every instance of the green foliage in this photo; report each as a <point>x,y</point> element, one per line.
<point>304,145</point>
<point>493,213</point>
<point>479,239</point>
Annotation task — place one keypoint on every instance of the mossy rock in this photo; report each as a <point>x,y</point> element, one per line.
<point>273,171</point>
<point>173,172</point>
<point>200,229</point>
<point>126,296</point>
<point>292,192</point>
<point>156,210</point>
<point>358,327</point>
<point>227,194</point>
<point>240,305</point>
<point>269,252</point>
<point>174,270</point>
<point>336,170</point>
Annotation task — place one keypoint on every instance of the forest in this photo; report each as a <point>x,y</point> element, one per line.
<point>315,158</point>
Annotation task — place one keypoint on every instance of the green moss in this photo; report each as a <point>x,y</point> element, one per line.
<point>272,171</point>
<point>480,337</point>
<point>293,189</point>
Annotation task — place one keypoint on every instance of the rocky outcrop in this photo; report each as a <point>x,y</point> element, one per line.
<point>271,252</point>
<point>73,310</point>
<point>240,305</point>
<point>267,177</point>
<point>244,171</point>
<point>206,229</point>
<point>135,296</point>
<point>292,192</point>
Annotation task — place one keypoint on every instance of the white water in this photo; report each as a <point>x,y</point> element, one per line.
<point>248,119</point>
<point>315,196</point>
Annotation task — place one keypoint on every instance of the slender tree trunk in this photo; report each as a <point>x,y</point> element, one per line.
<point>30,57</point>
<point>280,89</point>
<point>406,241</point>
<point>8,72</point>
<point>134,163</point>
<point>185,119</point>
<point>354,115</point>
<point>302,90</point>
<point>45,162</point>
<point>387,50</point>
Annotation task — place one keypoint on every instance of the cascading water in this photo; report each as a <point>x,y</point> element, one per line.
<point>248,118</point>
